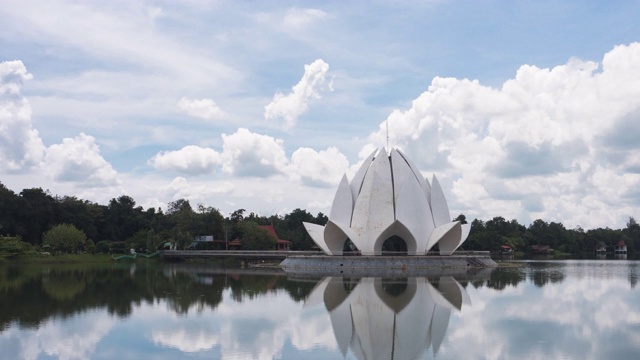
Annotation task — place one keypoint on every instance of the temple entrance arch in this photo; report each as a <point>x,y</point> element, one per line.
<point>349,248</point>
<point>394,245</point>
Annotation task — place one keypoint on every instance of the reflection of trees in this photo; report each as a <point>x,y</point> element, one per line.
<point>543,273</point>
<point>501,278</point>
<point>250,286</point>
<point>182,292</point>
<point>633,274</point>
<point>298,290</point>
<point>539,273</point>
<point>31,294</point>
<point>541,278</point>
<point>12,278</point>
<point>64,288</point>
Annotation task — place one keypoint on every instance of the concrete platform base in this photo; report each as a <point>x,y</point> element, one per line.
<point>385,265</point>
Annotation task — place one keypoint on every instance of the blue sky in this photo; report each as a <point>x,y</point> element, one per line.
<point>523,110</point>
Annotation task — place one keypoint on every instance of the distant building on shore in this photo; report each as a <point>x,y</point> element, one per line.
<point>620,247</point>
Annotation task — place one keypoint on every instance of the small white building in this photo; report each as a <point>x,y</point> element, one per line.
<point>203,238</point>
<point>620,247</point>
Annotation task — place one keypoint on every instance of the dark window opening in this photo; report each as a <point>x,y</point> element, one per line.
<point>394,246</point>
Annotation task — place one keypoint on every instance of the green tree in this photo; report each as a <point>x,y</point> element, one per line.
<point>292,229</point>
<point>182,217</point>
<point>632,233</point>
<point>65,238</point>
<point>321,219</point>
<point>124,218</point>
<point>260,220</point>
<point>138,241</point>
<point>13,246</point>
<point>494,233</point>
<point>182,239</point>
<point>91,247</point>
<point>153,241</point>
<point>237,216</point>
<point>255,237</point>
<point>209,221</point>
<point>38,214</point>
<point>632,225</point>
<point>11,206</point>
<point>461,218</point>
<point>72,210</point>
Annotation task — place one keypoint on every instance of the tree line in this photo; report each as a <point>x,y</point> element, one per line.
<point>492,234</point>
<point>31,215</point>
<point>36,217</point>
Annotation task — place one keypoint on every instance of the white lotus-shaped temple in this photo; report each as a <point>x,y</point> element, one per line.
<point>389,197</point>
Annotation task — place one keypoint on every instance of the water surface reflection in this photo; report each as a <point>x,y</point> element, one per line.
<point>389,318</point>
<point>584,309</point>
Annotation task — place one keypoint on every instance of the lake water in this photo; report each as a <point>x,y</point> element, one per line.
<point>572,309</point>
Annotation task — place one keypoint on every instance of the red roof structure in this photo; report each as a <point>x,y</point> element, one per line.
<point>620,247</point>
<point>235,244</point>
<point>280,243</point>
<point>506,249</point>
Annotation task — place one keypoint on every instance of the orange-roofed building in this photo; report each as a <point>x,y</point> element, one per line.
<point>281,244</point>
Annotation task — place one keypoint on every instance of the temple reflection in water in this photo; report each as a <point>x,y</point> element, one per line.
<point>394,318</point>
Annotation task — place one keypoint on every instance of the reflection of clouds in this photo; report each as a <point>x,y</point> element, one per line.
<point>186,339</point>
<point>72,338</point>
<point>591,314</point>
<point>603,302</point>
<point>312,330</point>
<point>251,329</point>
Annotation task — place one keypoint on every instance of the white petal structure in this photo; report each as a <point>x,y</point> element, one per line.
<point>389,197</point>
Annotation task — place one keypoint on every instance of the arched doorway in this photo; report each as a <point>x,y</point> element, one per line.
<point>394,245</point>
<point>349,249</point>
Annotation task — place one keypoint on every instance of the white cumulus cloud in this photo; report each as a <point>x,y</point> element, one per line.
<point>190,159</point>
<point>549,144</point>
<point>78,160</point>
<point>297,19</point>
<point>249,154</point>
<point>289,107</point>
<point>324,168</point>
<point>21,147</point>
<point>181,188</point>
<point>292,21</point>
<point>201,108</point>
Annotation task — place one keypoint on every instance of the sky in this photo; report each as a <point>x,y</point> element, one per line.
<point>525,110</point>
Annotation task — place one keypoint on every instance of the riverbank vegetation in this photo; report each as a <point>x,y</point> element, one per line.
<point>36,222</point>
<point>492,234</point>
